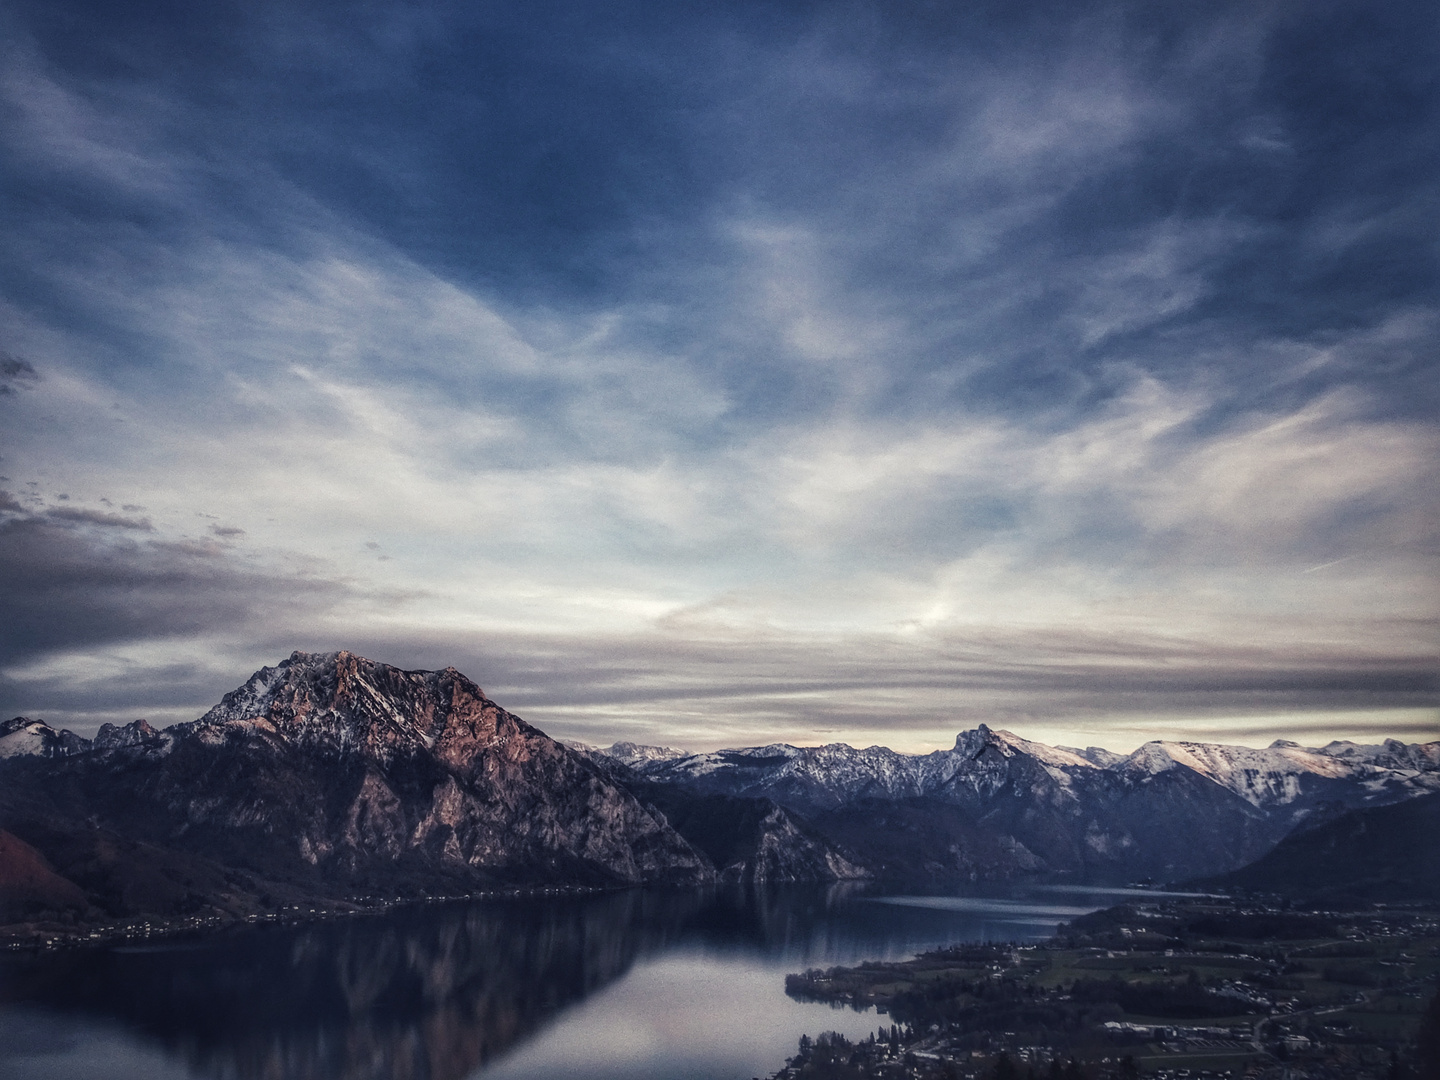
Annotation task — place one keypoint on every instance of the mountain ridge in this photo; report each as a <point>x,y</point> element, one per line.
<point>331,775</point>
<point>1275,776</point>
<point>997,805</point>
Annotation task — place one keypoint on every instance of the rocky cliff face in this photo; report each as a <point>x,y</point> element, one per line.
<point>341,772</point>
<point>437,770</point>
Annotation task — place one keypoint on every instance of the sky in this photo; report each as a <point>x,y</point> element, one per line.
<point>726,373</point>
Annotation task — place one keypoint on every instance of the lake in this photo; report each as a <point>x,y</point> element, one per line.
<point>644,985</point>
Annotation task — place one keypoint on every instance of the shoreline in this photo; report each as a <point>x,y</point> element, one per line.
<point>1216,986</point>
<point>48,937</point>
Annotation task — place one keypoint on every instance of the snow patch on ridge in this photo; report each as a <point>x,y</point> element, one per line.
<point>24,741</point>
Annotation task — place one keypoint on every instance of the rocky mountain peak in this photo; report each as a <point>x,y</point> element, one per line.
<point>22,737</point>
<point>342,703</point>
<point>337,771</point>
<point>138,733</point>
<point>971,744</point>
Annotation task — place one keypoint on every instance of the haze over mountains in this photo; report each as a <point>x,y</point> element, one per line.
<point>333,776</point>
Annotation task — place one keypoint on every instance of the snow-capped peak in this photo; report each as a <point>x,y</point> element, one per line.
<point>1095,755</point>
<point>971,743</point>
<point>23,737</point>
<point>1391,754</point>
<point>1275,775</point>
<point>630,752</point>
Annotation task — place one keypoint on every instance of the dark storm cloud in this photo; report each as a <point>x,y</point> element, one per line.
<point>99,517</point>
<point>74,578</point>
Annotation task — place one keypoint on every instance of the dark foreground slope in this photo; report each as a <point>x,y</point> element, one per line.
<point>1389,853</point>
<point>333,775</point>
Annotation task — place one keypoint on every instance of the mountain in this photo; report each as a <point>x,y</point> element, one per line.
<point>634,753</point>
<point>1379,853</point>
<point>749,839</point>
<point>332,776</point>
<point>35,738</point>
<point>337,775</point>
<point>1294,781</point>
<point>1284,777</point>
<point>754,841</point>
<point>28,883</point>
<point>996,805</point>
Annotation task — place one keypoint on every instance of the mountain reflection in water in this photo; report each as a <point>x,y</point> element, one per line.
<point>440,992</point>
<point>420,992</point>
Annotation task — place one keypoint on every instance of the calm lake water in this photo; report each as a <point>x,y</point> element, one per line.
<point>641,985</point>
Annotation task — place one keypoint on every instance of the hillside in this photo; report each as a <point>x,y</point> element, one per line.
<point>1388,853</point>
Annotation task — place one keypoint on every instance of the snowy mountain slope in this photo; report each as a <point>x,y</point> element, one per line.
<point>1391,754</point>
<point>23,737</point>
<point>997,804</point>
<point>1293,780</point>
<point>1273,776</point>
<point>634,753</point>
<point>1096,755</point>
<point>1283,775</point>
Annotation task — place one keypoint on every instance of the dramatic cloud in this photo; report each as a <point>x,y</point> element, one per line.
<point>15,373</point>
<point>720,375</point>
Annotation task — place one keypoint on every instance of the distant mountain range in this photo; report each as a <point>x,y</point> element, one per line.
<point>1284,778</point>
<point>331,776</point>
<point>996,805</point>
